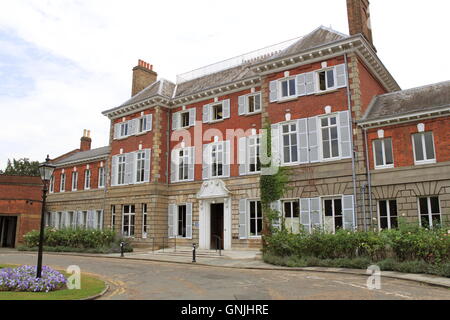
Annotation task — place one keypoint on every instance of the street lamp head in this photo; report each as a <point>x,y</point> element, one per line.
<point>46,170</point>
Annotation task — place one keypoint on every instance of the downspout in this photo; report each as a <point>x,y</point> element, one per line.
<point>349,101</point>
<point>369,176</point>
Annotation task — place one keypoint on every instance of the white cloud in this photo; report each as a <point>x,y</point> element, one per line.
<point>78,54</point>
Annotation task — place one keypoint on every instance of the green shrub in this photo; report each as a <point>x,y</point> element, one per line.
<point>75,240</point>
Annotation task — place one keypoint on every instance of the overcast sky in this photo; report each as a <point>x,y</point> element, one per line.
<point>63,62</point>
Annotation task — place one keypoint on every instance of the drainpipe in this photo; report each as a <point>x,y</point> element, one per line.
<point>369,176</point>
<point>363,197</point>
<point>349,101</point>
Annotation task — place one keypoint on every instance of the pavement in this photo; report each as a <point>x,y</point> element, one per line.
<point>139,276</point>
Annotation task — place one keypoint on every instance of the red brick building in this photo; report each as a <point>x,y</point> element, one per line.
<point>20,208</point>
<point>183,162</point>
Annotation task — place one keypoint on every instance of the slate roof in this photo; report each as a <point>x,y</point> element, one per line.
<point>316,38</point>
<point>430,97</point>
<point>85,155</point>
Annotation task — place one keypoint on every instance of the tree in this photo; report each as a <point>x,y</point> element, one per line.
<point>22,167</point>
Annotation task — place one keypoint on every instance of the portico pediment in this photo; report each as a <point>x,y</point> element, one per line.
<point>213,189</point>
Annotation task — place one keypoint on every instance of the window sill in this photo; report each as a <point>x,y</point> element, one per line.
<point>384,167</point>
<point>283,100</point>
<point>215,121</point>
<point>142,133</point>
<point>321,93</point>
<point>421,163</point>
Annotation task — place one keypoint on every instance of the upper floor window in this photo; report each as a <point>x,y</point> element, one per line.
<point>182,167</point>
<point>388,214</point>
<point>74,181</point>
<point>52,184</point>
<point>183,119</point>
<point>216,162</point>
<point>62,186</point>
<point>254,160</point>
<point>330,138</point>
<point>430,212</point>
<point>424,148</point>
<point>250,104</point>
<point>290,143</point>
<point>87,179</point>
<point>121,170</point>
<point>140,166</point>
<point>132,127</point>
<point>101,177</point>
<point>217,112</point>
<point>287,87</point>
<point>144,123</point>
<point>383,154</point>
<point>326,80</point>
<point>124,129</point>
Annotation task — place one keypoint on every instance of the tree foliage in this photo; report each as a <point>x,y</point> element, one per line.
<point>21,167</point>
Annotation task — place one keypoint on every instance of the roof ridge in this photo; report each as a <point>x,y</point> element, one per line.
<point>413,88</point>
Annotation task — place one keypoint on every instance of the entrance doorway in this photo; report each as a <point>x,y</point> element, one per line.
<point>217,226</point>
<point>8,232</point>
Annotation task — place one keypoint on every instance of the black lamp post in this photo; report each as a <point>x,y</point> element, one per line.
<point>46,170</point>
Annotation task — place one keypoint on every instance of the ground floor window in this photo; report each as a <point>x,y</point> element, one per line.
<point>145,225</point>
<point>182,221</point>
<point>71,220</point>
<point>113,217</point>
<point>291,213</point>
<point>83,222</point>
<point>333,219</point>
<point>430,212</point>
<point>129,215</point>
<point>388,214</point>
<point>99,219</point>
<point>256,219</point>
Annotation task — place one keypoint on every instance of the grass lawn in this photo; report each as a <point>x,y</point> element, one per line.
<point>89,287</point>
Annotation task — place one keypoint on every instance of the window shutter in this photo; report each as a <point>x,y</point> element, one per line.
<point>191,171</point>
<point>344,127</point>
<point>313,140</point>
<point>276,160</point>
<point>116,131</point>
<point>305,218</point>
<point>273,87</point>
<point>206,161</point>
<point>303,150</point>
<point>301,84</point>
<point>114,171</point>
<point>147,165</point>
<point>174,166</point>
<point>65,216</point>
<point>149,122</point>
<point>242,105</point>
<point>132,127</point>
<point>341,77</point>
<point>242,156</point>
<point>188,220</point>
<point>171,219</point>
<point>175,121</point>
<point>226,109</point>
<point>90,219</point>
<point>277,207</point>
<point>348,212</point>
<point>130,161</point>
<point>243,219</point>
<point>94,219</point>
<point>226,158</point>
<point>80,219</point>
<point>310,83</point>
<point>315,213</point>
<point>192,116</point>
<point>206,113</point>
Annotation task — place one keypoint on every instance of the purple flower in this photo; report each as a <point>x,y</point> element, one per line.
<point>23,279</point>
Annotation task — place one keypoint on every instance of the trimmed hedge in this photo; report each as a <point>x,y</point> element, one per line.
<point>75,240</point>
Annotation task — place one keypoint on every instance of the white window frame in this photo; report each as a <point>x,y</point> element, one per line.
<point>429,214</point>
<point>283,212</point>
<point>145,224</point>
<point>326,70</point>
<point>87,179</point>
<point>130,214</point>
<point>140,171</point>
<point>180,119</point>
<point>220,160</point>
<point>177,231</point>
<point>383,150</point>
<point>62,183</point>
<point>249,219</point>
<point>389,213</point>
<point>113,217</point>
<point>52,184</point>
<point>183,164</point>
<point>121,173</point>
<point>280,88</point>
<point>74,180</point>
<point>141,123</point>
<point>124,126</point>
<point>101,177</point>
<point>320,134</point>
<point>247,103</point>
<point>253,144</point>
<point>323,199</point>
<point>424,149</point>
<point>282,134</point>
<point>211,108</point>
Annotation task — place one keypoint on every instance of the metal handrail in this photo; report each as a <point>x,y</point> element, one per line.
<point>219,244</point>
<point>163,239</point>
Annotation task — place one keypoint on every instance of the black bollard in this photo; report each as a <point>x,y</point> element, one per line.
<point>122,244</point>
<point>194,247</point>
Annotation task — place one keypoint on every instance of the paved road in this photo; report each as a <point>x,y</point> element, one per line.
<point>161,281</point>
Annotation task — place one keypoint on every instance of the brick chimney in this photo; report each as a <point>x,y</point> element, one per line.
<point>143,76</point>
<point>359,19</point>
<point>85,144</point>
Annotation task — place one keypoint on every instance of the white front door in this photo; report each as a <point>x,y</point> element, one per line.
<point>205,222</point>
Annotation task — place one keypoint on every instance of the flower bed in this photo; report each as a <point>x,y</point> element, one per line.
<point>23,279</point>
